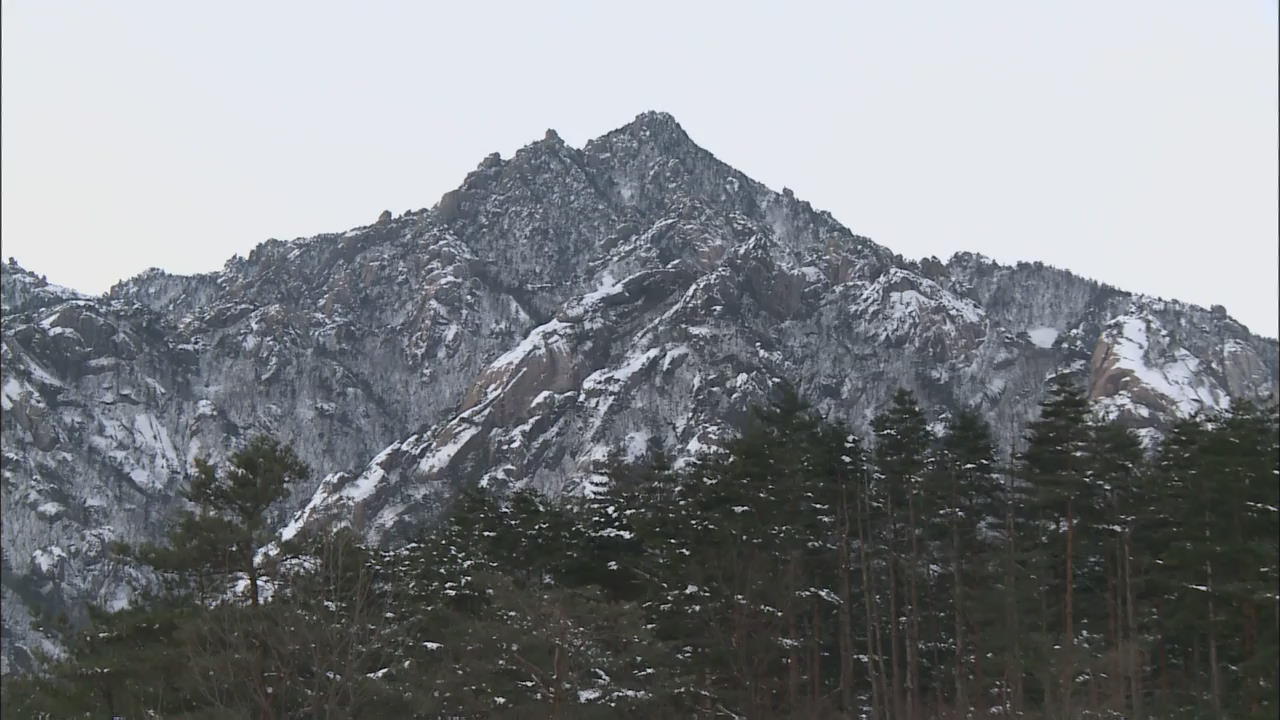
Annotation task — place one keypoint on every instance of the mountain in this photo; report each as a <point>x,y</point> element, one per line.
<point>557,305</point>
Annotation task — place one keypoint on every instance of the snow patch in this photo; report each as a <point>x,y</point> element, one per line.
<point>1043,337</point>
<point>13,392</point>
<point>318,498</point>
<point>673,355</point>
<point>589,695</point>
<point>1178,380</point>
<point>607,287</point>
<point>369,480</point>
<point>633,364</point>
<point>900,311</point>
<point>637,444</point>
<point>542,338</point>
<point>46,559</point>
<point>812,274</point>
<point>443,455</point>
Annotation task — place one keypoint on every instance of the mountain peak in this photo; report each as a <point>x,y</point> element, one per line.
<point>557,305</point>
<point>656,118</point>
<point>21,289</point>
<point>651,127</point>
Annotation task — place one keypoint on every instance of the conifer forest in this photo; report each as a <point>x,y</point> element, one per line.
<point>803,571</point>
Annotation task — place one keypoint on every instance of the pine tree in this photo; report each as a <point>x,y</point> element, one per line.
<point>1117,470</point>
<point>1174,547</point>
<point>218,540</point>
<point>1218,574</point>
<point>784,577</point>
<point>902,458</point>
<point>964,501</point>
<point>125,663</point>
<point>216,545</point>
<point>1249,471</point>
<point>1055,468</point>
<point>840,464</point>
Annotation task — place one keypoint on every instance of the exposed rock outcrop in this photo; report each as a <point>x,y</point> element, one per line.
<point>558,304</point>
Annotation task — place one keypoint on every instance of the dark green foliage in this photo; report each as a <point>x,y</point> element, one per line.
<point>1215,526</point>
<point>219,537</point>
<point>965,504</point>
<point>126,662</point>
<point>795,574</point>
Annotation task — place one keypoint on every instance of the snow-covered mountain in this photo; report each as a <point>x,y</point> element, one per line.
<point>559,304</point>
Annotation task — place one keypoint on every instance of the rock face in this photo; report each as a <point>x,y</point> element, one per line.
<point>556,305</point>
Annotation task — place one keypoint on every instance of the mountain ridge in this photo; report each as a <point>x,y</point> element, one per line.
<point>556,305</point>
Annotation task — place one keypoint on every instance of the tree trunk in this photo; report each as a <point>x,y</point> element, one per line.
<point>793,663</point>
<point>251,569</point>
<point>266,710</point>
<point>1013,637</point>
<point>1215,674</point>
<point>913,619</point>
<point>555,680</point>
<point>845,619</point>
<point>793,632</point>
<point>979,676</point>
<point>958,613</point>
<point>895,659</point>
<point>815,659</point>
<point>1068,663</point>
<point>875,646</point>
<point>1250,640</point>
<point>1134,653</point>
<point>1164,656</point>
<point>1118,667</point>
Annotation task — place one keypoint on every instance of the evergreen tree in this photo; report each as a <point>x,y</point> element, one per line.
<point>215,548</point>
<point>1177,615</point>
<point>1055,469</point>
<point>902,456</point>
<point>218,539</point>
<point>964,505</point>
<point>791,575</point>
<point>1249,471</point>
<point>1218,576</point>
<point>125,663</point>
<point>1118,471</point>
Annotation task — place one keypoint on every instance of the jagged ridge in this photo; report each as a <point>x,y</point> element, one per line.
<point>557,304</point>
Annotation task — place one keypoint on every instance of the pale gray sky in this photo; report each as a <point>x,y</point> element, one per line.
<point>1134,142</point>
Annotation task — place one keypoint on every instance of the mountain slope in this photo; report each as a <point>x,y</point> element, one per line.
<point>558,304</point>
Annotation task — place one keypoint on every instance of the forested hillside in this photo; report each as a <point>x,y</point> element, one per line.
<point>803,572</point>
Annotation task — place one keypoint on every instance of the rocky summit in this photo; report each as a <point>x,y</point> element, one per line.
<point>559,306</point>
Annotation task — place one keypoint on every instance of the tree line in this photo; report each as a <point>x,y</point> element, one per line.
<point>802,572</point>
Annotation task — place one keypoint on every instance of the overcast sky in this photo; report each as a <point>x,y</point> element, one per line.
<point>1132,142</point>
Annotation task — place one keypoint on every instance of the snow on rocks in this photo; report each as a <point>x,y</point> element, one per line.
<point>557,306</point>
<point>47,560</point>
<point>1138,368</point>
<point>1043,337</point>
<point>900,302</point>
